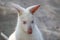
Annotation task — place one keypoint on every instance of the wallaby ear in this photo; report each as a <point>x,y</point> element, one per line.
<point>18,8</point>
<point>34,8</point>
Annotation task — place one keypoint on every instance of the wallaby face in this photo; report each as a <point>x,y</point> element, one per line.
<point>27,22</point>
<point>26,19</point>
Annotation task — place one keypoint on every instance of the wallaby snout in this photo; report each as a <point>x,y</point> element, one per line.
<point>29,30</point>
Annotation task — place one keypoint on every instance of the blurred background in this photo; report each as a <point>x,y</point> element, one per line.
<point>47,17</point>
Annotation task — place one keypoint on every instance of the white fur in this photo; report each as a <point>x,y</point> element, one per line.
<point>20,32</point>
<point>22,36</point>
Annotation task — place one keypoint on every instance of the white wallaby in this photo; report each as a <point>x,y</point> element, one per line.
<point>26,29</point>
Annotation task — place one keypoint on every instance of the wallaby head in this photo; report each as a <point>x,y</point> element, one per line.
<point>25,16</point>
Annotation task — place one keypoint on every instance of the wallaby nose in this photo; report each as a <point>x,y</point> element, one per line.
<point>30,30</point>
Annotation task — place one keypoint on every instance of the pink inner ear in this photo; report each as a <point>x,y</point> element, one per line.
<point>34,9</point>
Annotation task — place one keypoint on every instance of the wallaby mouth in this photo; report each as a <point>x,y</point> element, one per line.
<point>30,31</point>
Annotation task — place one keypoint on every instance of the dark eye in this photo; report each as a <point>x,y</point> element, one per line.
<point>24,22</point>
<point>32,22</point>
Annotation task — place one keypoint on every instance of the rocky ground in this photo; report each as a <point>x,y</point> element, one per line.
<point>47,17</point>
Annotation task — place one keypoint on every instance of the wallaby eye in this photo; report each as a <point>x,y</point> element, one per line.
<point>24,22</point>
<point>32,22</point>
